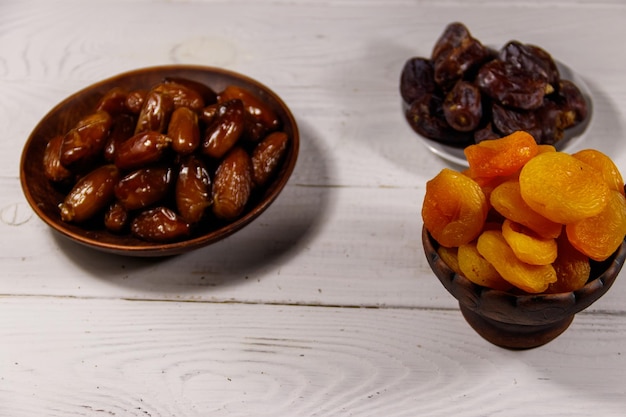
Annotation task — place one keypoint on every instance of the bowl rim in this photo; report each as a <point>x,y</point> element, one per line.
<point>484,300</point>
<point>152,249</point>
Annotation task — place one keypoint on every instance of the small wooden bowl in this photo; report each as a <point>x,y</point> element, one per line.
<point>516,321</point>
<point>44,197</point>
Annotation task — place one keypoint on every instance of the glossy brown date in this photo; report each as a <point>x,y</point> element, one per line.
<point>91,194</point>
<point>116,218</point>
<point>134,100</point>
<point>86,140</point>
<point>225,130</point>
<point>160,224</point>
<point>155,112</point>
<point>52,167</point>
<point>267,155</point>
<point>232,184</point>
<point>184,131</point>
<point>253,105</point>
<point>181,95</point>
<point>143,187</point>
<point>207,93</point>
<point>193,190</point>
<point>113,102</point>
<point>141,149</point>
<point>123,129</point>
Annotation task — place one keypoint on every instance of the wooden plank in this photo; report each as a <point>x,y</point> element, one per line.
<point>64,356</point>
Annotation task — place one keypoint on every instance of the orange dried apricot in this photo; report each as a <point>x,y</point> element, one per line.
<point>562,188</point>
<point>499,157</point>
<point>454,208</point>
<point>507,200</point>
<point>572,267</point>
<point>478,270</point>
<point>530,278</point>
<point>605,165</point>
<point>450,257</point>
<point>527,245</point>
<point>599,236</point>
<point>543,147</point>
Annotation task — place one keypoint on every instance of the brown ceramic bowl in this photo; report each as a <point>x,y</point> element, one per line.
<point>521,321</point>
<point>44,197</point>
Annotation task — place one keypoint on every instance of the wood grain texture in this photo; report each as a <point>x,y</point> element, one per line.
<point>98,357</point>
<point>325,305</point>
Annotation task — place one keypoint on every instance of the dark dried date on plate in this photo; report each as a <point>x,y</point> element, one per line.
<point>507,120</point>
<point>570,98</point>
<point>141,149</point>
<point>226,129</point>
<point>86,139</point>
<point>417,79</point>
<point>159,224</point>
<point>532,59</point>
<point>232,184</point>
<point>512,86</point>
<point>552,121</point>
<point>143,187</point>
<point>426,117</point>
<point>193,190</point>
<point>456,54</point>
<point>184,131</point>
<point>462,107</point>
<point>90,195</point>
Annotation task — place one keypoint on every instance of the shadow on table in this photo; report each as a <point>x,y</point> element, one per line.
<point>269,242</point>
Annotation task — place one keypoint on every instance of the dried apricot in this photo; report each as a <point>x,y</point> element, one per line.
<point>498,157</point>
<point>563,188</point>
<point>572,267</point>
<point>507,200</point>
<point>599,236</point>
<point>450,257</point>
<point>527,245</point>
<point>530,278</point>
<point>605,165</point>
<point>454,209</point>
<point>478,270</point>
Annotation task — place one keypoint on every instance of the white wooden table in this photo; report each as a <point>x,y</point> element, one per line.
<point>325,305</point>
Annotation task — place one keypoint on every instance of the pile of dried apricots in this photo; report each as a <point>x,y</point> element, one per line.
<point>526,217</point>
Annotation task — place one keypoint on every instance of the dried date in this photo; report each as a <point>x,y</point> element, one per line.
<point>232,184</point>
<point>462,107</point>
<point>91,194</point>
<point>193,190</point>
<point>417,79</point>
<point>160,224</point>
<point>143,187</point>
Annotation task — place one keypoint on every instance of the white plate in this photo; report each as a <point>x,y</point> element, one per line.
<point>572,136</point>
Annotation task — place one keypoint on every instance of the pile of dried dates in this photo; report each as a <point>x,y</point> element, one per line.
<point>467,92</point>
<point>167,162</point>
